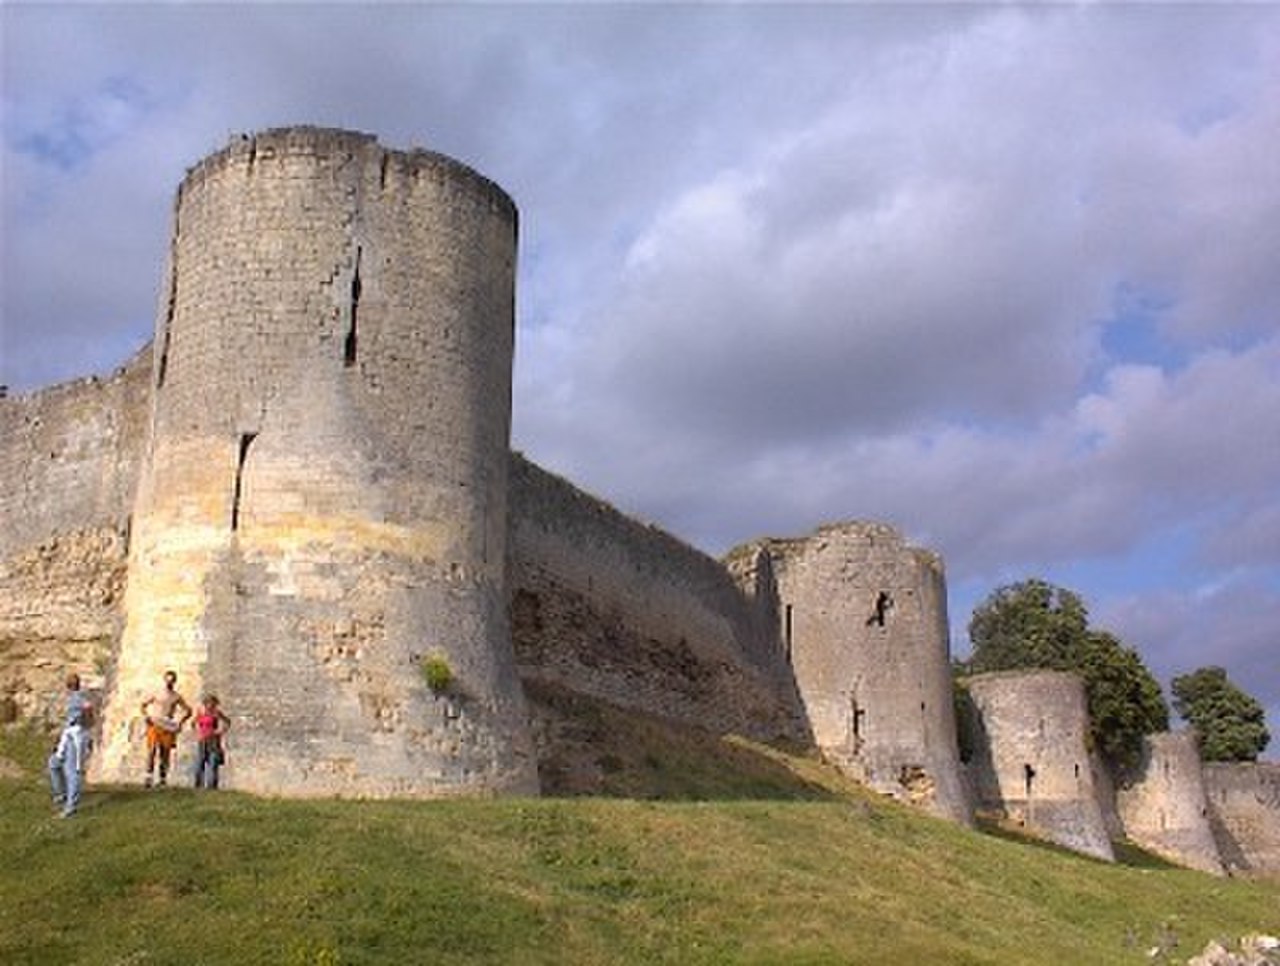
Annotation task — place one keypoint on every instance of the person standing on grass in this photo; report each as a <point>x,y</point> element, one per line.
<point>163,724</point>
<point>67,763</point>
<point>210,724</point>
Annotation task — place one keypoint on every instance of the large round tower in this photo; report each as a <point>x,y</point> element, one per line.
<point>863,623</point>
<point>322,511</point>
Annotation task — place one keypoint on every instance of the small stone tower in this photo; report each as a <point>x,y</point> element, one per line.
<point>862,620</point>
<point>1031,758</point>
<point>322,507</point>
<point>1162,804</point>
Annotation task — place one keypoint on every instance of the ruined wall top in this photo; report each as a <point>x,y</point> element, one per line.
<point>868,533</point>
<point>247,149</point>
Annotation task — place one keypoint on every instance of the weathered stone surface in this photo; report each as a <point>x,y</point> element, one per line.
<point>1162,803</point>
<point>59,612</point>
<point>628,614</point>
<point>1244,811</point>
<point>330,422</point>
<point>861,619</point>
<point>1031,761</point>
<point>1254,950</point>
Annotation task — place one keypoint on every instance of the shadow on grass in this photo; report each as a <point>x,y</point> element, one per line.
<point>1127,854</point>
<point>589,747</point>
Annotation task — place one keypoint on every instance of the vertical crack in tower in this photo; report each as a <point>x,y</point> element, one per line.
<point>246,440</point>
<point>349,346</point>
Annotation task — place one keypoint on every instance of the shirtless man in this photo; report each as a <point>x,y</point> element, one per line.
<point>163,724</point>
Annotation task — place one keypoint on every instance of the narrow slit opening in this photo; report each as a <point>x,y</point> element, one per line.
<point>856,715</point>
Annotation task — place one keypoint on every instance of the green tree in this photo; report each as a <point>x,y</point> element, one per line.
<point>1125,700</point>
<point>1230,724</point>
<point>1034,624</point>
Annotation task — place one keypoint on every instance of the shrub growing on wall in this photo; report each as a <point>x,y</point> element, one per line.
<point>437,672</point>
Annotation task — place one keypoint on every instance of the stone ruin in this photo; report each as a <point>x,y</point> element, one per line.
<point>303,490</point>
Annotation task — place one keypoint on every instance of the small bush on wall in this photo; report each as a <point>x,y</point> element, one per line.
<point>437,672</point>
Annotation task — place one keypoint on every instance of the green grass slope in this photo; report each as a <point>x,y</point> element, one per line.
<point>813,872</point>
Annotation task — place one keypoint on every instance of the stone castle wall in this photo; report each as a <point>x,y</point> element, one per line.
<point>1030,756</point>
<point>70,456</point>
<point>1244,810</point>
<point>862,620</point>
<point>622,612</point>
<point>324,500</point>
<point>69,461</point>
<point>308,485</point>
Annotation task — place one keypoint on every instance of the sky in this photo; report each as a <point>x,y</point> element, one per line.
<point>1005,276</point>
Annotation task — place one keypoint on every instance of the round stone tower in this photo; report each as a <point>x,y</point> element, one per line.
<point>322,511</point>
<point>1031,759</point>
<point>863,623</point>
<point>1162,803</point>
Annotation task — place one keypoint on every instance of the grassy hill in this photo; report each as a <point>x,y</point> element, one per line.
<point>772,859</point>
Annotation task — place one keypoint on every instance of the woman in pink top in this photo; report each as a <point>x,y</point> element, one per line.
<point>210,724</point>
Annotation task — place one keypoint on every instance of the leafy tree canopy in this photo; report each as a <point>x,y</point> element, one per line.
<point>1034,624</point>
<point>1230,724</point>
<point>1125,700</point>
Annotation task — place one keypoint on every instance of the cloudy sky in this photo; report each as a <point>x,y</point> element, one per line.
<point>1008,277</point>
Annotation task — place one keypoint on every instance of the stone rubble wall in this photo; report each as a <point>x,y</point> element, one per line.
<point>59,613</point>
<point>1244,811</point>
<point>70,455</point>
<point>610,608</point>
<point>69,460</point>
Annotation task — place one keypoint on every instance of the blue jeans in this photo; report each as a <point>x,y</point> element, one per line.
<point>66,767</point>
<point>208,761</point>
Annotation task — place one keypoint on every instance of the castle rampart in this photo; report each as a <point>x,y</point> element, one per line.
<point>71,454</point>
<point>324,500</point>
<point>625,613</point>
<point>69,461</point>
<point>304,488</point>
<point>1030,758</point>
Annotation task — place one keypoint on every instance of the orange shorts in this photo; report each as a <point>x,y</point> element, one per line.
<point>158,737</point>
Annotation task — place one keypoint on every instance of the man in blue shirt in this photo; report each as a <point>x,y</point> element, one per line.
<point>67,763</point>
